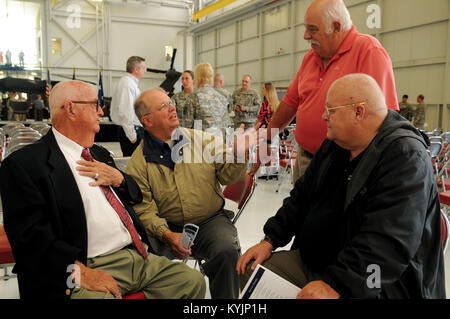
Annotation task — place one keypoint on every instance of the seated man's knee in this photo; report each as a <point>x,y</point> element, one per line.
<point>198,285</point>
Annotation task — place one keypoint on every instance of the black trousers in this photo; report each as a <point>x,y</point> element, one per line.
<point>125,144</point>
<point>217,243</point>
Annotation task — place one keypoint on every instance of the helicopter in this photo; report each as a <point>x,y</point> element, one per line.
<point>172,76</point>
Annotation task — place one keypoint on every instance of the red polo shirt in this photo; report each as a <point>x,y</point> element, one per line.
<point>358,53</point>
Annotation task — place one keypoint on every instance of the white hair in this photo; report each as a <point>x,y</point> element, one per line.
<point>336,11</point>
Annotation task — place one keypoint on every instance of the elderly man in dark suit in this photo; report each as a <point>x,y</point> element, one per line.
<point>68,215</point>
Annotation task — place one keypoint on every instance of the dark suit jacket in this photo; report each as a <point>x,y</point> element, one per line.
<point>44,215</point>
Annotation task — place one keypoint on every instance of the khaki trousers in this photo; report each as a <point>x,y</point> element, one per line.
<point>301,164</point>
<point>157,278</point>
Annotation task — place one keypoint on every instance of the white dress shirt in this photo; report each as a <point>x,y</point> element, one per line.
<point>122,105</point>
<point>106,232</point>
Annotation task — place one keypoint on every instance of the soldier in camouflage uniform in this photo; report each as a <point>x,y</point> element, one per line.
<point>246,103</point>
<point>185,115</point>
<point>207,104</point>
<point>406,109</point>
<point>218,86</point>
<point>419,113</point>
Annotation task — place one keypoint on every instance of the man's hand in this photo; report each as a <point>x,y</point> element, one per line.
<point>260,252</point>
<point>134,141</point>
<point>107,175</point>
<point>244,141</point>
<point>318,290</point>
<point>174,241</point>
<point>96,280</point>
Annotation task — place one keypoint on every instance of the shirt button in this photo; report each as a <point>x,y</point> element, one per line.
<point>321,79</point>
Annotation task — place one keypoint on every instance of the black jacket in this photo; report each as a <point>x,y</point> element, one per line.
<point>391,218</point>
<point>44,215</point>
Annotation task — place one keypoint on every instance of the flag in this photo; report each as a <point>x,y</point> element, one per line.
<point>48,86</point>
<point>101,100</point>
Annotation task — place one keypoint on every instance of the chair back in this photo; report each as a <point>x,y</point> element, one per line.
<point>22,133</point>
<point>435,148</point>
<point>8,128</point>
<point>44,130</point>
<point>240,193</point>
<point>6,256</point>
<point>436,139</point>
<point>446,137</point>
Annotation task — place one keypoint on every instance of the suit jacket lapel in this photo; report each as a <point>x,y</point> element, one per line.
<point>65,188</point>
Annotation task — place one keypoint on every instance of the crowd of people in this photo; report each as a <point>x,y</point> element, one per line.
<point>364,194</point>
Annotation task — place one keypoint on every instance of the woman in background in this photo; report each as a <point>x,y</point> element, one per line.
<point>268,106</point>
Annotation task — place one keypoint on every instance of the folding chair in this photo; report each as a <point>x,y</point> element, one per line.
<point>6,256</point>
<point>444,198</point>
<point>435,149</point>
<point>445,228</point>
<point>288,153</point>
<point>8,128</point>
<point>240,193</point>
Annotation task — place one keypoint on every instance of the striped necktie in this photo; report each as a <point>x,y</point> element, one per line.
<point>120,210</point>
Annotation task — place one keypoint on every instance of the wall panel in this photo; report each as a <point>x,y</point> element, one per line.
<point>415,33</point>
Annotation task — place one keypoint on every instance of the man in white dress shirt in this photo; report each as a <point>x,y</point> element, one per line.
<point>68,214</point>
<point>122,106</point>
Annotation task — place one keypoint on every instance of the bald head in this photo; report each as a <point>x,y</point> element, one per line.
<point>355,110</point>
<point>356,88</point>
<point>68,90</point>
<point>75,111</point>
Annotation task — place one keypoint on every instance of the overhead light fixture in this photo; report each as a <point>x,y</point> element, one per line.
<point>33,73</point>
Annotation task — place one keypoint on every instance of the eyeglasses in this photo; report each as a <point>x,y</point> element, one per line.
<point>328,109</point>
<point>162,107</point>
<point>96,103</point>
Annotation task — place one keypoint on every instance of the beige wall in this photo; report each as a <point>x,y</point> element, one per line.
<point>268,43</point>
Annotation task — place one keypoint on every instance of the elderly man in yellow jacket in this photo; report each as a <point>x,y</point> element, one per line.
<point>180,172</point>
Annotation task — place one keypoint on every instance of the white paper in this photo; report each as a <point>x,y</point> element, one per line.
<point>265,284</point>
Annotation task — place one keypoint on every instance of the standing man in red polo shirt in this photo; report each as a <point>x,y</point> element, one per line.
<point>337,49</point>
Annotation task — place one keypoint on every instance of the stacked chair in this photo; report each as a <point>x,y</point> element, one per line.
<point>288,155</point>
<point>439,152</point>
<point>20,137</point>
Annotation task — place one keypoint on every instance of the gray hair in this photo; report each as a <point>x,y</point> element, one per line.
<point>140,108</point>
<point>134,62</point>
<point>336,11</point>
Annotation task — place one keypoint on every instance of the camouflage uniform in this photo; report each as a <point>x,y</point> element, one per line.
<point>406,110</point>
<point>185,115</point>
<point>227,95</point>
<point>209,106</point>
<point>419,116</point>
<point>252,102</point>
